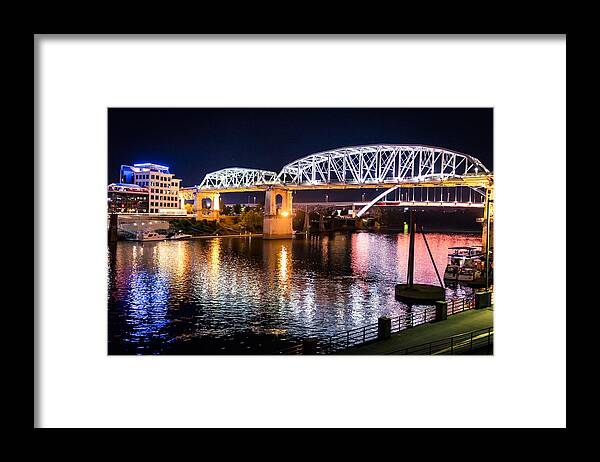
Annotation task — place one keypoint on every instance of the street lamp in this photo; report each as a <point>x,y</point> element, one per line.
<point>363,197</point>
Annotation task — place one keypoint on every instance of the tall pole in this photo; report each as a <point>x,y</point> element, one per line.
<point>487,237</point>
<point>411,249</point>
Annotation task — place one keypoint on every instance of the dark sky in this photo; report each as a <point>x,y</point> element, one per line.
<point>193,142</point>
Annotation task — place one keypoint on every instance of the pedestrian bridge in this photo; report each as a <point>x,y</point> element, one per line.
<point>386,166</point>
<point>374,166</point>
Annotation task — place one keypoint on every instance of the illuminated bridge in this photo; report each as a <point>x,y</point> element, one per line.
<point>384,166</point>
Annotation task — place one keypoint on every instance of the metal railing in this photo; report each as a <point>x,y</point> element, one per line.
<point>460,304</point>
<point>369,333</point>
<point>481,340</point>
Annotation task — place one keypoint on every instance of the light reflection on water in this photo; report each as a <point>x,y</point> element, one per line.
<point>166,293</point>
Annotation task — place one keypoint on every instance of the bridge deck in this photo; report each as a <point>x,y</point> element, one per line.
<point>392,204</point>
<point>473,181</point>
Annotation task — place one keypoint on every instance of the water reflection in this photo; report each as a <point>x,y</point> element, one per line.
<point>165,295</point>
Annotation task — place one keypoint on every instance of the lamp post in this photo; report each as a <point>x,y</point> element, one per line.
<point>487,238</point>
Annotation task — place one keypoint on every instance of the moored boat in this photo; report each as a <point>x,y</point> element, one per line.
<point>467,265</point>
<point>180,236</point>
<point>144,236</point>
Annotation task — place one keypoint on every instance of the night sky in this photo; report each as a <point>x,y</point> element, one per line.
<point>193,142</point>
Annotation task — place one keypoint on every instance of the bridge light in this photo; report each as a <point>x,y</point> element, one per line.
<point>284,214</point>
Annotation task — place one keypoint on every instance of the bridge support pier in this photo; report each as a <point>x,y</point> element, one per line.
<point>206,205</point>
<point>277,220</point>
<point>306,222</point>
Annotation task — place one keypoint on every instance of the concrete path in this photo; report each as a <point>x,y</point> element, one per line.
<point>454,325</point>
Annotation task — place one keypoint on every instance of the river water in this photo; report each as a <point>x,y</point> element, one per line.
<point>248,295</point>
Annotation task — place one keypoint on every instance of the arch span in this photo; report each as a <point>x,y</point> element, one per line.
<point>381,164</point>
<point>237,178</point>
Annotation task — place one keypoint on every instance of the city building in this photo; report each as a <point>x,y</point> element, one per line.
<point>127,198</point>
<point>163,187</point>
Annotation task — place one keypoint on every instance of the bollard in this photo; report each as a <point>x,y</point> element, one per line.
<point>384,328</point>
<point>483,299</point>
<point>441,310</point>
<point>309,346</point>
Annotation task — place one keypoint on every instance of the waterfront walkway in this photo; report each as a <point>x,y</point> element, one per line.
<point>453,325</point>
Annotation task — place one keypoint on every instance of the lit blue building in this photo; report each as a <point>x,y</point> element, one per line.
<point>163,187</point>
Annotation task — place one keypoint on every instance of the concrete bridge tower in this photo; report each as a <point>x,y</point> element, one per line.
<point>277,220</point>
<point>206,205</point>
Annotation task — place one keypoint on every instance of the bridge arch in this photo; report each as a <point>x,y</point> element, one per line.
<point>278,200</point>
<point>235,178</point>
<point>387,166</point>
<point>380,164</point>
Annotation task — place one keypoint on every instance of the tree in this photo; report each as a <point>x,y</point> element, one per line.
<point>252,219</point>
<point>237,209</point>
<point>227,210</point>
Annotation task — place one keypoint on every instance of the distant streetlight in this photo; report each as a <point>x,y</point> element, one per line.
<point>363,197</point>
<point>326,198</point>
<point>254,200</point>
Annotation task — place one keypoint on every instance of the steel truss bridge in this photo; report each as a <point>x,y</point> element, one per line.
<point>385,166</point>
<point>372,166</point>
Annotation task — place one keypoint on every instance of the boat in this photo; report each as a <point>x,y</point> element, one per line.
<point>466,265</point>
<point>148,236</point>
<point>180,236</point>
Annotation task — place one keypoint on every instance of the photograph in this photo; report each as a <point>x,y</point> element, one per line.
<point>300,231</point>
